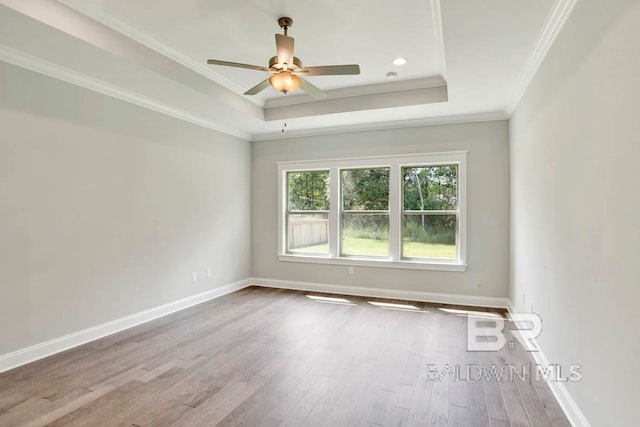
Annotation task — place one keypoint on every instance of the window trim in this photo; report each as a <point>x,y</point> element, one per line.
<point>395,163</point>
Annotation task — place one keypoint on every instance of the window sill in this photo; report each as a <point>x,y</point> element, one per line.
<point>368,262</point>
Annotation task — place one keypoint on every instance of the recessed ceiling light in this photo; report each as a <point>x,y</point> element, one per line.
<point>399,61</point>
<point>392,75</point>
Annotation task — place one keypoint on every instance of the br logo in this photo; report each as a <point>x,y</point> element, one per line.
<point>487,334</point>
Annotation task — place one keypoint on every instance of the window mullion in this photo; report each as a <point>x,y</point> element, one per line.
<point>462,210</point>
<point>334,212</point>
<point>395,217</point>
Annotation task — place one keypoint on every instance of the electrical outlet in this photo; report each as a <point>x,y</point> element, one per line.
<point>352,270</point>
<point>208,273</point>
<point>194,277</point>
<point>531,307</point>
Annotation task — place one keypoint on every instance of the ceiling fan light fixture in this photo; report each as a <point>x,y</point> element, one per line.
<point>284,82</point>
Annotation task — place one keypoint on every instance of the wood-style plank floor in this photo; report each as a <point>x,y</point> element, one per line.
<point>264,357</point>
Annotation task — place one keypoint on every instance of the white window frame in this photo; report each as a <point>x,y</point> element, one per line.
<point>394,163</point>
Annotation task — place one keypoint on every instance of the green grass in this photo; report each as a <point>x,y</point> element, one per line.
<point>360,246</point>
<point>428,250</point>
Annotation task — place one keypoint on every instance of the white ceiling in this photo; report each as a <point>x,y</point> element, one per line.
<point>370,33</point>
<point>155,51</point>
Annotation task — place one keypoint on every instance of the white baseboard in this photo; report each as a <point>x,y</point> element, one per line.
<point>559,390</point>
<point>48,348</point>
<point>470,300</point>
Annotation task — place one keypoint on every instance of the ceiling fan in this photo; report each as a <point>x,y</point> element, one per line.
<point>286,68</point>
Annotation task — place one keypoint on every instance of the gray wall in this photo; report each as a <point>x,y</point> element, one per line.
<point>106,208</point>
<point>488,206</point>
<point>575,145</point>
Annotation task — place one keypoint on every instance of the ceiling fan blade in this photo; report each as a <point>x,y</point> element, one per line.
<point>330,70</point>
<point>284,46</point>
<point>258,88</point>
<point>311,89</point>
<point>237,65</point>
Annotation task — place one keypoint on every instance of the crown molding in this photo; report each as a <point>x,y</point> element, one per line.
<point>153,43</point>
<point>556,20</point>
<point>59,72</point>
<point>374,101</point>
<point>436,13</point>
<point>364,127</point>
<point>360,90</point>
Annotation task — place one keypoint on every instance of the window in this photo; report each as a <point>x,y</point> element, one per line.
<point>400,211</point>
<point>365,212</point>
<point>308,212</point>
<point>429,215</point>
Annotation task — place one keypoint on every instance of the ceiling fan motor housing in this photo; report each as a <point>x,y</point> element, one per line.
<point>273,64</point>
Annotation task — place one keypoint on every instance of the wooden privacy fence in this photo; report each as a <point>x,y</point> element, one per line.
<point>307,232</point>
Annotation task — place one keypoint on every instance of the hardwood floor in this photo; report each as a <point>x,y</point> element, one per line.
<point>263,357</point>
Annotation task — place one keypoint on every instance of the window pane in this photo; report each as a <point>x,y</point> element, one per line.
<point>308,191</point>
<point>365,234</point>
<point>308,233</point>
<point>429,236</point>
<point>429,188</point>
<point>365,189</point>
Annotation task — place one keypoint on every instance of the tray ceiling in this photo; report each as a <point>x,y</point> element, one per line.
<point>480,52</point>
